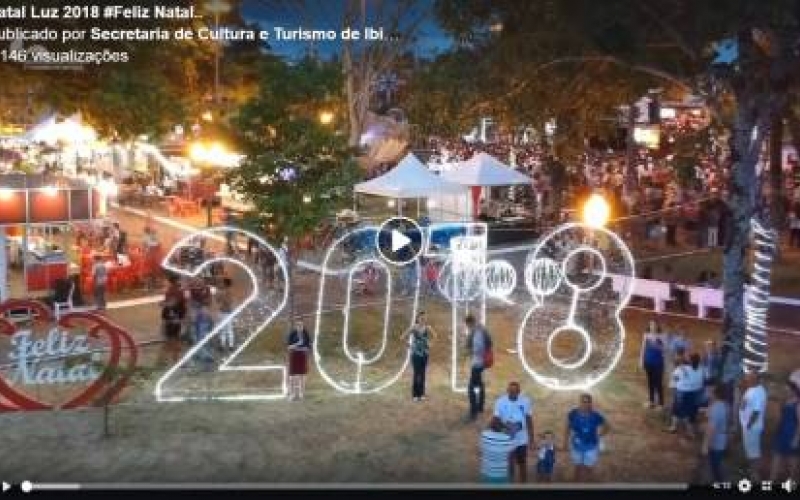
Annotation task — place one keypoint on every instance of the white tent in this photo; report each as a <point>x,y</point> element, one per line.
<point>485,170</point>
<point>71,131</point>
<point>409,179</point>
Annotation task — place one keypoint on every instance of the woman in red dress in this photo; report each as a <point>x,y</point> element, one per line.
<point>299,343</point>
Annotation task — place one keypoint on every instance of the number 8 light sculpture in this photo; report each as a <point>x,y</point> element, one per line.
<point>563,305</point>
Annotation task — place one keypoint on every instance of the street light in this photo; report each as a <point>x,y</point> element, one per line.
<point>326,117</point>
<point>212,154</point>
<point>596,211</point>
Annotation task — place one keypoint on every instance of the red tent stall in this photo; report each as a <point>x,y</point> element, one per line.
<point>33,209</point>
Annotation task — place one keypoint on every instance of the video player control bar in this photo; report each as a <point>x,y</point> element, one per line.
<point>29,487</point>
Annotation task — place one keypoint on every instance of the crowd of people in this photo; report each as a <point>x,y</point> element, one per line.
<point>667,194</point>
<point>696,387</point>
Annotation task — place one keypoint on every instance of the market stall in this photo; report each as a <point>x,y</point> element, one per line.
<point>36,214</point>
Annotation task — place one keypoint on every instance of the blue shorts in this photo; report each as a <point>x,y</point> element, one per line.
<point>586,458</point>
<point>687,406</point>
<point>545,466</point>
<point>493,480</point>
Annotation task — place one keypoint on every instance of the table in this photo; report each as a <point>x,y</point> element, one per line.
<point>40,276</point>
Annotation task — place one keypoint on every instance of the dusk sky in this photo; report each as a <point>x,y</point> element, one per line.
<point>327,15</point>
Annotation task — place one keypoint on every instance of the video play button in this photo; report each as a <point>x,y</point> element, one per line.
<point>399,240</point>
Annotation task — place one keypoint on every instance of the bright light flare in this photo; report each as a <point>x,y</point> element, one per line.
<point>596,211</point>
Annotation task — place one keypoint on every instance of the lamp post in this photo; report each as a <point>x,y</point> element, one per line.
<point>208,156</point>
<point>217,7</point>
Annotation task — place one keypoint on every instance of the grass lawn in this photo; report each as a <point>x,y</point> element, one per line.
<point>331,437</point>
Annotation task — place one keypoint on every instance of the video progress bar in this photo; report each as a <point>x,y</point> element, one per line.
<point>354,486</point>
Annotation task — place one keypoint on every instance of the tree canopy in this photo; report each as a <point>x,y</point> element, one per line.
<point>299,168</point>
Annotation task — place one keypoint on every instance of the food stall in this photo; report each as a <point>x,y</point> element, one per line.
<point>36,213</point>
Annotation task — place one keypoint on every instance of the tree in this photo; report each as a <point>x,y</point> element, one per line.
<point>298,168</point>
<point>364,62</point>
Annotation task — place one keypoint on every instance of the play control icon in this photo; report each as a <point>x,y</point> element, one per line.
<point>6,486</point>
<point>399,240</point>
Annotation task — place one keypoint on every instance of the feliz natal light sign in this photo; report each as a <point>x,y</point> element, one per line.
<point>67,356</point>
<point>29,354</point>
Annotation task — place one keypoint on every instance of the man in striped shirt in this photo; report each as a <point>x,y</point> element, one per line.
<point>496,445</point>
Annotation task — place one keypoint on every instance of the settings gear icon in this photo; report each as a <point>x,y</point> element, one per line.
<point>745,485</point>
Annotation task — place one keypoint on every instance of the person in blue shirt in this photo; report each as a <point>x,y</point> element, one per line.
<point>585,427</point>
<point>203,325</point>
<point>786,444</point>
<point>653,364</point>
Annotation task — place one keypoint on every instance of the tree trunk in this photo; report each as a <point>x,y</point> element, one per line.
<point>351,93</point>
<point>777,205</point>
<point>631,177</point>
<point>355,77</point>
<point>290,271</point>
<point>746,146</point>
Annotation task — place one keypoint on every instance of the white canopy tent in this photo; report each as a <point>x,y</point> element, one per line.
<point>481,171</point>
<point>485,170</point>
<point>72,131</point>
<point>412,179</point>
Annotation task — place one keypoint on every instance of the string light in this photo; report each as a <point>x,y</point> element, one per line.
<point>461,280</point>
<point>253,315</point>
<point>545,279</point>
<point>328,272</point>
<point>500,280</point>
<point>757,299</point>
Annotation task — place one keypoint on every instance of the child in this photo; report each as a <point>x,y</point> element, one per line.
<point>547,457</point>
<point>495,446</point>
<point>431,276</point>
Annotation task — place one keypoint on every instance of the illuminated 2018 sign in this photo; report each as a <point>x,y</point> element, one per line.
<point>567,291</point>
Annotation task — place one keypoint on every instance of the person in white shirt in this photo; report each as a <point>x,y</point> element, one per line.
<point>751,417</point>
<point>514,412</point>
<point>496,446</point>
<point>690,391</point>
